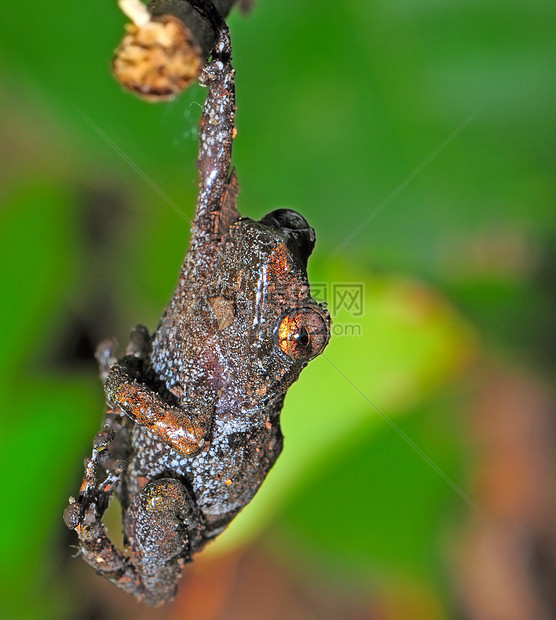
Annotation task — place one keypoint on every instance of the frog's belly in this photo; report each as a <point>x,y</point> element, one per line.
<point>223,477</point>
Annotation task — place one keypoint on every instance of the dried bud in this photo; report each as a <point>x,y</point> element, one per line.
<point>158,59</point>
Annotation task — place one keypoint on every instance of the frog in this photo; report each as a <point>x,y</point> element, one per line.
<point>192,425</point>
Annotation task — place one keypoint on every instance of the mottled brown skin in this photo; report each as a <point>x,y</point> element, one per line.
<point>192,427</point>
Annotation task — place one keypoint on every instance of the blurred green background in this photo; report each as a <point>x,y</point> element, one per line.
<point>425,128</point>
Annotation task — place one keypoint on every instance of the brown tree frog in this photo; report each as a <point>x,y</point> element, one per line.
<point>192,426</point>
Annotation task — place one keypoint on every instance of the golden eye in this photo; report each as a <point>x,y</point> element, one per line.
<point>302,334</point>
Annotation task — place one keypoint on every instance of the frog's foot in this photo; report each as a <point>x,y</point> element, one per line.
<point>184,426</point>
<point>84,516</point>
<point>139,342</point>
<point>105,356</point>
<point>98,551</point>
<point>139,346</point>
<point>160,526</point>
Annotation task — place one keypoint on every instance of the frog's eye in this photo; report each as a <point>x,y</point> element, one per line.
<point>302,334</point>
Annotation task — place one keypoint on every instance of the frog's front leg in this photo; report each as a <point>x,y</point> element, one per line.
<point>183,425</point>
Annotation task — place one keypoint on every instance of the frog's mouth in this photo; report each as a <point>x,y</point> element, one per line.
<point>294,228</point>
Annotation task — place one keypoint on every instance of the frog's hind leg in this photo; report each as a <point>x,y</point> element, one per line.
<point>85,517</point>
<point>103,477</point>
<point>161,526</point>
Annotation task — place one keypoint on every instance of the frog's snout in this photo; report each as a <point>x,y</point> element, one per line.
<point>294,227</point>
<point>286,219</point>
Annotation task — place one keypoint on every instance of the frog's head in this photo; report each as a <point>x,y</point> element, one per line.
<point>276,326</point>
<point>303,329</point>
<point>295,230</point>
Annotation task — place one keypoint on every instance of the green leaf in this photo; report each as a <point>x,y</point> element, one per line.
<point>410,343</point>
<point>38,251</point>
<point>379,507</point>
<point>43,443</point>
